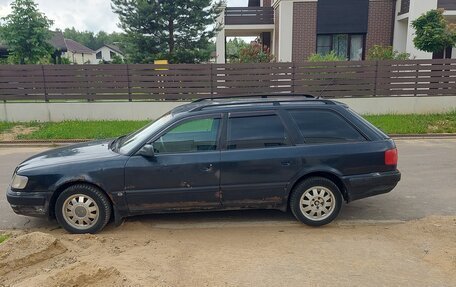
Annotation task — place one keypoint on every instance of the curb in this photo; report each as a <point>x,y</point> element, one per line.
<point>56,143</point>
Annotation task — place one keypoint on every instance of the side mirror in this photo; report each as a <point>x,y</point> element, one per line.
<point>147,150</point>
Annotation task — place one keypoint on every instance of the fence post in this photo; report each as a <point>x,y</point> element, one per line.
<point>212,80</point>
<point>46,99</point>
<point>128,83</point>
<point>293,76</point>
<point>376,78</point>
<point>89,94</point>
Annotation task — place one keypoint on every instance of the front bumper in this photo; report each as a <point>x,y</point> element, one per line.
<point>29,203</point>
<point>367,185</point>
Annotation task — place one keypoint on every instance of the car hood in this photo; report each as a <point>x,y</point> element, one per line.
<point>83,152</point>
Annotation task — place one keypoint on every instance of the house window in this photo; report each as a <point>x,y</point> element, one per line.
<point>349,46</point>
<point>324,45</point>
<point>99,56</point>
<point>112,54</point>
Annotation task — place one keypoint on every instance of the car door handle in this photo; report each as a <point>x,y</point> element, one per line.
<point>286,163</point>
<point>207,168</point>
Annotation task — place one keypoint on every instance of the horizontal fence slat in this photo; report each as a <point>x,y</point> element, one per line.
<point>192,81</point>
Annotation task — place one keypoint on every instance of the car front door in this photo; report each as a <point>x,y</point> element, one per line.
<point>258,161</point>
<point>183,173</point>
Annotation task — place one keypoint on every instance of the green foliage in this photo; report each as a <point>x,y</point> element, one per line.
<point>116,59</point>
<point>233,49</point>
<point>255,53</point>
<point>93,40</point>
<point>329,57</point>
<point>378,53</point>
<point>433,33</point>
<point>178,31</point>
<point>3,237</point>
<point>26,33</point>
<point>65,61</point>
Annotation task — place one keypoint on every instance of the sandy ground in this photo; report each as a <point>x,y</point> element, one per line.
<point>16,131</point>
<point>345,253</point>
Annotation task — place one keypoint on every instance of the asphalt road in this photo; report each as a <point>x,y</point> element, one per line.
<point>428,187</point>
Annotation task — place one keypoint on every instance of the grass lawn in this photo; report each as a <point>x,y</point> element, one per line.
<point>391,124</point>
<point>83,129</point>
<point>3,238</point>
<point>415,124</point>
<point>5,126</point>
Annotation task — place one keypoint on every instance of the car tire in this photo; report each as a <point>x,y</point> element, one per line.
<point>83,208</point>
<point>316,201</point>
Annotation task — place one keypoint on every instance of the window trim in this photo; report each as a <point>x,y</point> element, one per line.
<point>302,138</point>
<point>155,137</point>
<point>242,114</point>
<point>331,39</point>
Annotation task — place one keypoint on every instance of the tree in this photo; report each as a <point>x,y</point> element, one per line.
<point>178,30</point>
<point>93,40</point>
<point>433,33</point>
<point>26,33</point>
<point>255,53</point>
<point>233,48</point>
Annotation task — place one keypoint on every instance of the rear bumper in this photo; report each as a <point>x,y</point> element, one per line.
<point>29,203</point>
<point>367,185</point>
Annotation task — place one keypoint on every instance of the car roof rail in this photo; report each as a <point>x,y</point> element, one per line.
<point>262,96</point>
<point>277,102</point>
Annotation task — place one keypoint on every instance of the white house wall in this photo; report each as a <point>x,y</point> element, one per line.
<point>77,58</point>
<point>106,54</point>
<point>285,31</point>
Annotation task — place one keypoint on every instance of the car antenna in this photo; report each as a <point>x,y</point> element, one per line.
<point>333,80</point>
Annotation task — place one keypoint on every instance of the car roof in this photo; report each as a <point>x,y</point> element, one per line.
<point>252,101</point>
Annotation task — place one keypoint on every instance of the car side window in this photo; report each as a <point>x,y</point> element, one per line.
<point>262,131</point>
<point>318,126</point>
<point>191,136</point>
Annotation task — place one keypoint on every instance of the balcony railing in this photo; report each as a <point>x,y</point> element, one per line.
<point>447,4</point>
<point>249,15</point>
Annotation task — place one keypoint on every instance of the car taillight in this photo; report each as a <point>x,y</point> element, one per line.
<point>391,157</point>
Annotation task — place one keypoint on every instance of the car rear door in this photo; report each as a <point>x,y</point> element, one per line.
<point>184,173</point>
<point>258,160</point>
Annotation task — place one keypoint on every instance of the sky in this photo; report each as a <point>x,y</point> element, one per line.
<point>91,15</point>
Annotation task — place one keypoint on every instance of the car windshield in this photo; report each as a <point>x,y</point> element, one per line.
<point>129,142</point>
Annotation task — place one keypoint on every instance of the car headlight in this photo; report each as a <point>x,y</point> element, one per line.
<point>19,181</point>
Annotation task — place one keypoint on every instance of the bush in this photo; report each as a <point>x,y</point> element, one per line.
<point>330,57</point>
<point>255,53</point>
<point>379,53</point>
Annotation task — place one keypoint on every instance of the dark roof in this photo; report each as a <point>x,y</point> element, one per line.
<point>58,41</point>
<point>76,47</point>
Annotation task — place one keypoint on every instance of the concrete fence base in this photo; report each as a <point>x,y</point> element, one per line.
<point>44,112</point>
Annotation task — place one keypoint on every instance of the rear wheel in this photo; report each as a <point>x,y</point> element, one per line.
<point>316,201</point>
<point>82,208</point>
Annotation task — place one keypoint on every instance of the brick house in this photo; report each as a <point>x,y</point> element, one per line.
<point>295,29</point>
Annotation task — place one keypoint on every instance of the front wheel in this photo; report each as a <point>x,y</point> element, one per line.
<point>82,208</point>
<point>316,201</point>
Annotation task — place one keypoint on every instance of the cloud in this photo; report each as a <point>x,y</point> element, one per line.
<point>91,15</point>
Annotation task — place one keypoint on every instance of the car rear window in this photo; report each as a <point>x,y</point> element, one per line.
<point>249,132</point>
<point>319,126</point>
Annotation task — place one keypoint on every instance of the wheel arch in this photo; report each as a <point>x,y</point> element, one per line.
<point>60,188</point>
<point>320,173</point>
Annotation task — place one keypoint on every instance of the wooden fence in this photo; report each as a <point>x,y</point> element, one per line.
<point>191,81</point>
